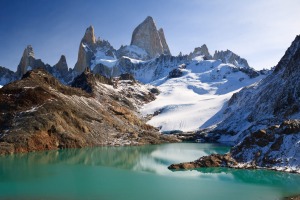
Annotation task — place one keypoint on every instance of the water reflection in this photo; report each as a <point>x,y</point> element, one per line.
<point>151,159</point>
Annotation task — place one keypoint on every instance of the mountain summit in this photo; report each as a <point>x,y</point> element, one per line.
<point>147,37</point>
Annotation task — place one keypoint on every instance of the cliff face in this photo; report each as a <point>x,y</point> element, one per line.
<point>39,113</point>
<point>147,37</point>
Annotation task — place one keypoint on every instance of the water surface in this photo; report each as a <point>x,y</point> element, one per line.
<point>115,173</point>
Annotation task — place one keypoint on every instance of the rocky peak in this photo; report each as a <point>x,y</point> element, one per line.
<point>290,52</point>
<point>28,51</point>
<point>231,58</point>
<point>28,62</point>
<point>62,65</point>
<point>147,37</point>
<point>90,49</point>
<point>201,51</point>
<point>87,80</point>
<point>163,41</point>
<point>89,36</point>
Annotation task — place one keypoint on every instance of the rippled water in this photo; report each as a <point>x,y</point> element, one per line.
<point>135,173</point>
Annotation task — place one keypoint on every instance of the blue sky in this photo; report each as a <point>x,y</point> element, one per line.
<point>258,30</point>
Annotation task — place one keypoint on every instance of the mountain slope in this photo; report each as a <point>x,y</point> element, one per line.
<point>263,121</point>
<point>268,102</point>
<point>190,97</point>
<point>39,113</point>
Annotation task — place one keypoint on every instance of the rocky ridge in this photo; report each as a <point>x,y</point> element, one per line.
<point>59,116</point>
<point>252,109</point>
<point>276,148</point>
<point>148,57</point>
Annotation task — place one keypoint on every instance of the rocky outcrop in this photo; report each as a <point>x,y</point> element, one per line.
<point>177,72</point>
<point>231,58</point>
<point>201,51</point>
<point>273,148</point>
<point>28,62</point>
<point>276,148</point>
<point>214,160</point>
<point>147,37</point>
<point>39,113</point>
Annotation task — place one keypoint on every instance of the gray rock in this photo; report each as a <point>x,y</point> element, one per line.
<point>231,58</point>
<point>201,51</point>
<point>147,37</point>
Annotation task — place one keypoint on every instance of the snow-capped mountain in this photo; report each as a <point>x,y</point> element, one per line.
<point>193,87</point>
<point>265,103</point>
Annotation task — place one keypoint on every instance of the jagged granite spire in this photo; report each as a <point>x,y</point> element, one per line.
<point>85,52</point>
<point>62,65</point>
<point>89,36</point>
<point>27,61</point>
<point>147,37</point>
<point>164,42</point>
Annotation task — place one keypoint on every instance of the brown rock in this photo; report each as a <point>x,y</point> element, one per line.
<point>214,160</point>
<point>39,113</point>
<point>86,48</point>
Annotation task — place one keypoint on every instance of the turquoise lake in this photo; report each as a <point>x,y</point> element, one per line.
<point>117,173</point>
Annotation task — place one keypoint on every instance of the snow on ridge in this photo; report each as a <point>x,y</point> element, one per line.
<point>188,102</point>
<point>101,57</point>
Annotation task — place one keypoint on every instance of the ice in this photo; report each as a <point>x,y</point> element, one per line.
<point>191,101</point>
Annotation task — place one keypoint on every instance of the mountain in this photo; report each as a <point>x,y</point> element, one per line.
<point>268,102</point>
<point>39,113</point>
<point>147,37</point>
<point>92,52</point>
<point>28,62</point>
<point>262,120</point>
<point>147,57</point>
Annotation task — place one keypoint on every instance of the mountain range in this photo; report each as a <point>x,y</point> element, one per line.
<point>217,97</point>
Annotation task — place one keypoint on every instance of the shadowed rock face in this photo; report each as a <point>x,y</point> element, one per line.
<point>62,65</point>
<point>86,50</point>
<point>38,113</point>
<point>147,37</point>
